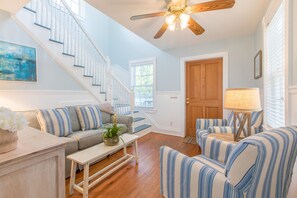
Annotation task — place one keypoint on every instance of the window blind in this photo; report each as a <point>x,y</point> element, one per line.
<point>275,70</point>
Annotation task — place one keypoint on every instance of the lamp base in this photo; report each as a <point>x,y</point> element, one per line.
<point>242,121</point>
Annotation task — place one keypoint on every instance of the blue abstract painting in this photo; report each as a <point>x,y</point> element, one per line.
<point>17,62</point>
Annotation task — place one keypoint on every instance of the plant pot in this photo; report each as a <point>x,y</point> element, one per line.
<point>111,141</point>
<point>8,141</point>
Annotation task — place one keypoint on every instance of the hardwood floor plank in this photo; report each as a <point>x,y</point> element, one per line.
<point>142,180</point>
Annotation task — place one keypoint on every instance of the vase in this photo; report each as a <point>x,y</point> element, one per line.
<point>8,141</point>
<point>111,141</point>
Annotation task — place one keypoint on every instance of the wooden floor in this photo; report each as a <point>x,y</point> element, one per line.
<point>142,180</point>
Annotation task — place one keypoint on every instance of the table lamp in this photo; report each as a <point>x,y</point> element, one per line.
<point>242,101</point>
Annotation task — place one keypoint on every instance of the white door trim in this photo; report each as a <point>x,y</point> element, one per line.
<point>183,61</point>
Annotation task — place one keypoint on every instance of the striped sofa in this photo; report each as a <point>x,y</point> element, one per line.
<point>258,166</point>
<point>206,126</point>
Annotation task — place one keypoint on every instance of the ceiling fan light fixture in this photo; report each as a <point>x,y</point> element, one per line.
<point>177,22</point>
<point>170,19</point>
<point>171,27</point>
<point>184,20</point>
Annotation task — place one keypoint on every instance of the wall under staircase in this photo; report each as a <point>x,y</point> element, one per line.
<point>52,25</point>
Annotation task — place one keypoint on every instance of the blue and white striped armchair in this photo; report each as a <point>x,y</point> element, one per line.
<point>207,126</point>
<point>258,166</point>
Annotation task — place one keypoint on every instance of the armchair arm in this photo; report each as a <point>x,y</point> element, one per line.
<point>127,120</point>
<point>212,129</point>
<point>203,124</point>
<point>182,176</point>
<point>220,129</point>
<point>216,149</point>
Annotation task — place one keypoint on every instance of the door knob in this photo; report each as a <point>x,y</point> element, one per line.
<point>187,102</point>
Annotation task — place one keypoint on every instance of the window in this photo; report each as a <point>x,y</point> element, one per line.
<point>142,81</point>
<point>77,6</point>
<point>275,69</point>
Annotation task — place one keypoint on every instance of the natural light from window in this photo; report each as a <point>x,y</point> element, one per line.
<point>275,70</point>
<point>142,75</point>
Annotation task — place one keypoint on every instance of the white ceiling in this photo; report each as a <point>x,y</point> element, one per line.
<point>240,20</point>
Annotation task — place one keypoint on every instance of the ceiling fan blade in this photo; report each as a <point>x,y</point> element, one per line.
<point>195,27</point>
<point>161,31</point>
<point>143,16</point>
<point>212,5</point>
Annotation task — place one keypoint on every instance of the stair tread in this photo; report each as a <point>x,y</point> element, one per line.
<point>29,9</point>
<point>142,127</point>
<point>137,119</point>
<point>42,26</point>
<point>68,54</point>
<point>56,41</point>
<point>79,66</point>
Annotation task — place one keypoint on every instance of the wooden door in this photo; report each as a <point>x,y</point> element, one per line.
<point>204,90</point>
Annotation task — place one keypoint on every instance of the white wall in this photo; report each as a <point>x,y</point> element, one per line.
<point>97,26</point>
<point>21,100</point>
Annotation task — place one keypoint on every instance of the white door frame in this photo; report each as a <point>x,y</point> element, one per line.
<point>183,61</point>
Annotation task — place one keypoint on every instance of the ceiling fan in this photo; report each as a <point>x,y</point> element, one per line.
<point>178,15</point>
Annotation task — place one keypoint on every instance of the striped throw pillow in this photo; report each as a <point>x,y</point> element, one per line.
<point>89,117</point>
<point>55,121</point>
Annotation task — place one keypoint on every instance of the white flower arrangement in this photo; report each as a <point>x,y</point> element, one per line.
<point>11,121</point>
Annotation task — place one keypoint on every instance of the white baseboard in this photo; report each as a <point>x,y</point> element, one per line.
<point>167,133</point>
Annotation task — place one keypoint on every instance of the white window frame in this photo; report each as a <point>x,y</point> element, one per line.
<point>275,4</point>
<point>152,60</point>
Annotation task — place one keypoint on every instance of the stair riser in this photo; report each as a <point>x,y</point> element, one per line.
<point>144,132</point>
<point>136,124</point>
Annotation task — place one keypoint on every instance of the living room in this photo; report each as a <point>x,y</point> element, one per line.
<point>85,53</point>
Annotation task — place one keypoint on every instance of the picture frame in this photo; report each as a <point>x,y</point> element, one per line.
<point>17,62</point>
<point>258,65</point>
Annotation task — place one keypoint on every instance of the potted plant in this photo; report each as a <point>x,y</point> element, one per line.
<point>10,123</point>
<point>111,136</point>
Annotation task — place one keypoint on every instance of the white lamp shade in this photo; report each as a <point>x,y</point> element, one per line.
<point>242,99</point>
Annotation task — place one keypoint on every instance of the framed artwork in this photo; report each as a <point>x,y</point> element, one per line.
<point>258,65</point>
<point>17,62</point>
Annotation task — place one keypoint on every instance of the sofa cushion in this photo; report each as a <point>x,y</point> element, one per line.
<point>55,121</point>
<point>31,118</point>
<point>87,138</point>
<point>105,117</point>
<point>89,117</point>
<point>74,118</point>
<point>106,107</point>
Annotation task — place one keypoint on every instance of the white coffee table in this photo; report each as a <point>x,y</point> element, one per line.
<point>87,156</point>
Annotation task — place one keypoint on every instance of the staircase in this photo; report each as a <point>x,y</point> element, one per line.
<point>53,25</point>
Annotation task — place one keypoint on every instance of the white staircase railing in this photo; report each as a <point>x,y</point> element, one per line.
<point>66,29</point>
<point>122,97</point>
